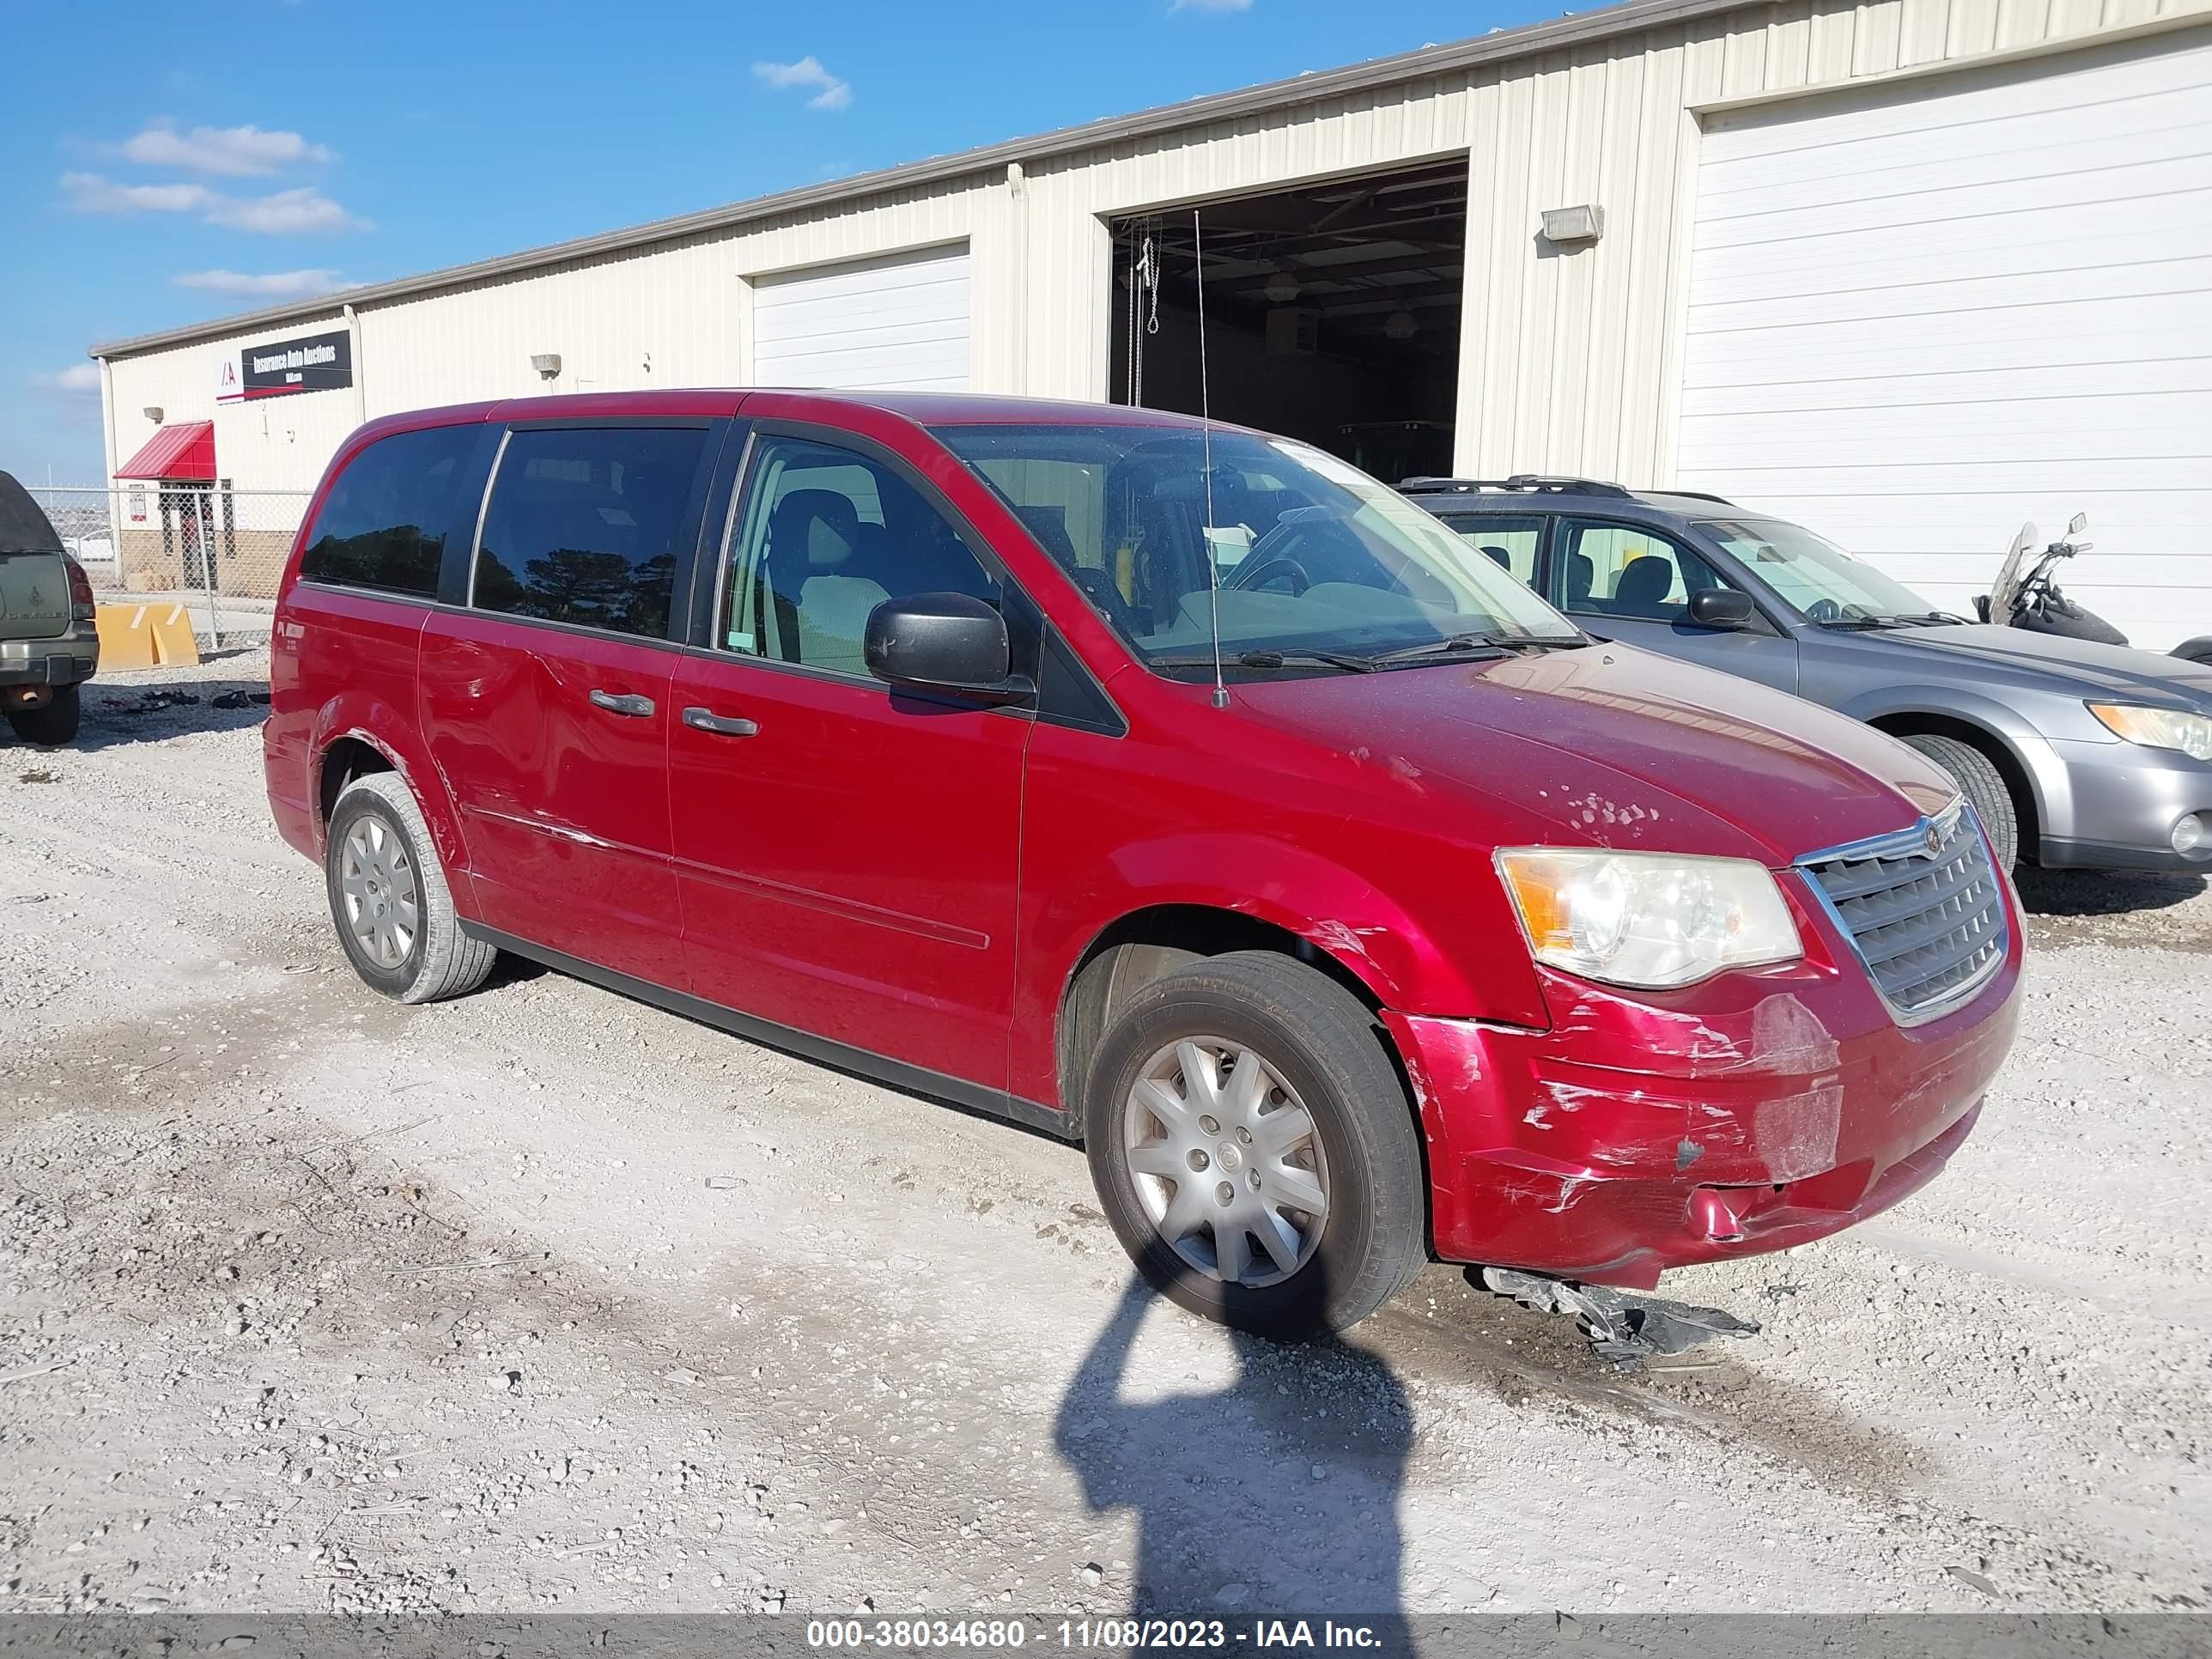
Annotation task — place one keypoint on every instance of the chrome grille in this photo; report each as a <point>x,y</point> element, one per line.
<point>1923,907</point>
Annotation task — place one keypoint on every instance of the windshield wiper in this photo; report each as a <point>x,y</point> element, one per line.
<point>1292,658</point>
<point>1480,645</point>
<point>1902,619</point>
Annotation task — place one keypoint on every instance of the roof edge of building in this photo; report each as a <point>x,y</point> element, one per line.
<point>1422,63</point>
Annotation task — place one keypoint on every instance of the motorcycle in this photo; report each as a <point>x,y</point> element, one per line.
<point>2033,600</point>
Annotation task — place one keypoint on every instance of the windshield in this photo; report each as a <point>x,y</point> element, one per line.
<point>1311,555</point>
<point>1822,581</point>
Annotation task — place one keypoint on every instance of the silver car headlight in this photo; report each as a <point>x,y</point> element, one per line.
<point>2158,728</point>
<point>1647,919</point>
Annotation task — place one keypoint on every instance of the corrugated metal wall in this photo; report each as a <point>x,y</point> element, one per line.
<point>676,314</point>
<point>1570,357</point>
<point>606,320</point>
<point>1569,362</point>
<point>682,307</point>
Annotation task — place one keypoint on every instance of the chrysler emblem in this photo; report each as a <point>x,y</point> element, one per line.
<point>1935,841</point>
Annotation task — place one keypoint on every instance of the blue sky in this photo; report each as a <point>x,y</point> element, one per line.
<point>151,175</point>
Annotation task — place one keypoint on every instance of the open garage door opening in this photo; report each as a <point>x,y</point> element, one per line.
<point>1332,314</point>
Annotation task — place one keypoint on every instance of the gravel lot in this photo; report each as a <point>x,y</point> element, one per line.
<point>544,1300</point>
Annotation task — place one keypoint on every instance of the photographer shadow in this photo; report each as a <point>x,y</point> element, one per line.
<point>1276,1495</point>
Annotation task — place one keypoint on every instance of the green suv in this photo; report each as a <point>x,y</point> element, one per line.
<point>49,644</point>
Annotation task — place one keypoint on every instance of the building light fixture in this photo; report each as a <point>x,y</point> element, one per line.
<point>1585,223</point>
<point>547,363</point>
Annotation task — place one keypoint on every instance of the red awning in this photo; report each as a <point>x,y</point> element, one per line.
<point>183,451</point>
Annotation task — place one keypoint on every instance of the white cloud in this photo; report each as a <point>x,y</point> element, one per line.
<point>89,193</point>
<point>233,152</point>
<point>830,92</point>
<point>80,379</point>
<point>284,212</point>
<point>301,209</point>
<point>1209,5</point>
<point>270,284</point>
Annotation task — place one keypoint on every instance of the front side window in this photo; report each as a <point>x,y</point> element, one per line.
<point>825,535</point>
<point>384,524</point>
<point>1627,571</point>
<point>583,525</point>
<point>1307,553</point>
<point>1814,576</point>
<point>1508,542</point>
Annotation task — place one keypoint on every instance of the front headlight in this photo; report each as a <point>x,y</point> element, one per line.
<point>1647,919</point>
<point>2158,728</point>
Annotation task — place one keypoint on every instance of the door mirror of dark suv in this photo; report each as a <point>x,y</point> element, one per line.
<point>943,642</point>
<point>1720,607</point>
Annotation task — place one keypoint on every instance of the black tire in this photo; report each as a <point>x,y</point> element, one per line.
<point>439,960</point>
<point>1318,1038</point>
<point>1984,788</point>
<point>54,723</point>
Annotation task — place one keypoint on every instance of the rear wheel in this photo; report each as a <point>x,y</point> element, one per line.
<point>1984,788</point>
<point>1254,1149</point>
<point>388,895</point>
<point>53,722</point>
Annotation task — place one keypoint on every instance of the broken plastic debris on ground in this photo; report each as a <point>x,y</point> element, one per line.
<point>1623,1327</point>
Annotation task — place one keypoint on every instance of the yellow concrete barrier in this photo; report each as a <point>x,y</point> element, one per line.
<point>146,637</point>
<point>172,636</point>
<point>126,636</point>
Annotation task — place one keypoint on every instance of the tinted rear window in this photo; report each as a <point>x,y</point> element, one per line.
<point>384,524</point>
<point>583,525</point>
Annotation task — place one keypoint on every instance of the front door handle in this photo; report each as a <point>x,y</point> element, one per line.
<point>722,726</point>
<point>622,703</point>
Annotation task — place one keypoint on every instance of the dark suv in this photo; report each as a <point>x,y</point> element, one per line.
<point>2075,754</point>
<point>49,637</point>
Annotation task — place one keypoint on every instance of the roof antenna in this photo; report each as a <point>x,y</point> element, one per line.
<point>1205,437</point>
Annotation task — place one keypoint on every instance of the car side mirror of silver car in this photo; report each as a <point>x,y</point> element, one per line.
<point>1720,607</point>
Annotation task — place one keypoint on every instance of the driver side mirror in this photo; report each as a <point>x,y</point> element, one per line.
<point>1720,607</point>
<point>943,642</point>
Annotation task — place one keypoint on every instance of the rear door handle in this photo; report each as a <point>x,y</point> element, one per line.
<point>722,726</point>
<point>622,703</point>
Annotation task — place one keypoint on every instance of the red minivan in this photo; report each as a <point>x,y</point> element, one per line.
<point>1180,789</point>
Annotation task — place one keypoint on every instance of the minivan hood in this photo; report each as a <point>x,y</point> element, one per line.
<point>1611,746</point>
<point>2096,670</point>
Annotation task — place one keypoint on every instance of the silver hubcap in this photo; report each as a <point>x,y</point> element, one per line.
<point>384,909</point>
<point>1226,1162</point>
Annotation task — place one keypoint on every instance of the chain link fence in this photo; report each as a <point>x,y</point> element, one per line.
<point>216,550</point>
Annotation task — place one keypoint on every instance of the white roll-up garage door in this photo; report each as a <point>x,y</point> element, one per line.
<point>1922,315</point>
<point>898,324</point>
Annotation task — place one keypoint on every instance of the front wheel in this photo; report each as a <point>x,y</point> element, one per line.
<point>1984,786</point>
<point>54,723</point>
<point>1254,1149</point>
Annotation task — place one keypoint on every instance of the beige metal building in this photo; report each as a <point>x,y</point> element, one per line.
<point>1908,270</point>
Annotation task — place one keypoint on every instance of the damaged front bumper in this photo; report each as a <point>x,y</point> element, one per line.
<point>1768,1109</point>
